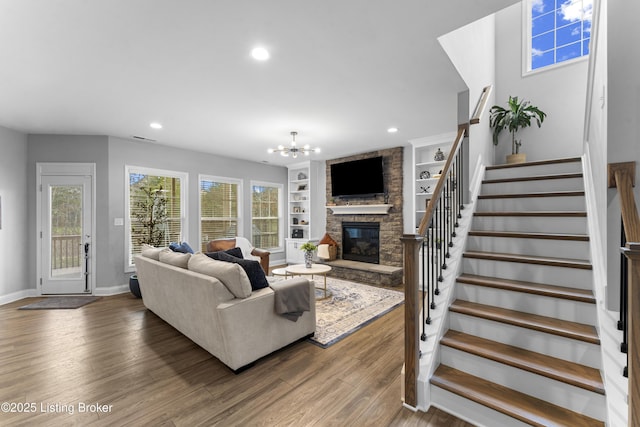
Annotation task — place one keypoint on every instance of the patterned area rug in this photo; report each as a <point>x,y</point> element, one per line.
<point>59,302</point>
<point>352,306</point>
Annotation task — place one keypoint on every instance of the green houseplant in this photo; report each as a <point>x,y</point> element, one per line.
<point>308,249</point>
<point>517,115</point>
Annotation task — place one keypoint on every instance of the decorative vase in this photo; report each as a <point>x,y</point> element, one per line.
<point>308,255</point>
<point>516,158</point>
<point>439,156</point>
<point>134,286</point>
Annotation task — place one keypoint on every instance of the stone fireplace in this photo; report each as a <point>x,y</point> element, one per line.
<point>387,270</point>
<point>361,241</point>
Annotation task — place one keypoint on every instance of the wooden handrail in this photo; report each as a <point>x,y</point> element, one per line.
<point>622,177</point>
<point>424,223</point>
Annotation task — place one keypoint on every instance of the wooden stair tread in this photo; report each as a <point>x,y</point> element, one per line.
<point>533,213</point>
<point>529,259</point>
<point>532,195</point>
<point>536,163</point>
<point>529,235</point>
<point>534,178</point>
<point>518,405</point>
<point>574,294</point>
<point>550,325</point>
<point>562,370</point>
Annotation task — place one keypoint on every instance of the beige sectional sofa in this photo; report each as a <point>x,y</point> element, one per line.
<point>236,330</point>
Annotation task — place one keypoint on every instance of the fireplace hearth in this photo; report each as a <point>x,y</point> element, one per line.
<point>361,241</point>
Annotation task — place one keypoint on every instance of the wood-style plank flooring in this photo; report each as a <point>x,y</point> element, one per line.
<point>117,354</point>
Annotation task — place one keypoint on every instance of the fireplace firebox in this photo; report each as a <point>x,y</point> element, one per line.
<point>361,241</point>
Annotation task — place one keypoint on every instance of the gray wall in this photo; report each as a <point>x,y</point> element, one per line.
<point>559,92</point>
<point>110,156</point>
<point>14,261</point>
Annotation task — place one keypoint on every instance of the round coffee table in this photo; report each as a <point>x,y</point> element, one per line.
<point>320,269</point>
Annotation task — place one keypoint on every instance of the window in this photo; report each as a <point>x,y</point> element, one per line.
<point>155,213</point>
<point>557,31</point>
<point>266,221</point>
<point>219,208</point>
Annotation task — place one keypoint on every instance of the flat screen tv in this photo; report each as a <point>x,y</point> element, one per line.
<point>357,178</point>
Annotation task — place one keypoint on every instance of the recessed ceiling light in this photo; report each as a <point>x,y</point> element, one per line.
<point>260,54</point>
<point>392,130</point>
<point>156,125</point>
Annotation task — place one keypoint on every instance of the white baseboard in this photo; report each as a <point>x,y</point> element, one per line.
<point>112,290</point>
<point>27,293</point>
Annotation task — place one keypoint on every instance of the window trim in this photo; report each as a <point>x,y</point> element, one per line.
<point>281,212</point>
<point>526,46</point>
<point>225,180</point>
<point>184,202</point>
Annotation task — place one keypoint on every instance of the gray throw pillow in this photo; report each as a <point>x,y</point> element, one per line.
<point>252,268</point>
<point>231,275</point>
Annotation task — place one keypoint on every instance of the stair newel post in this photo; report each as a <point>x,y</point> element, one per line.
<point>411,244</point>
<point>632,253</point>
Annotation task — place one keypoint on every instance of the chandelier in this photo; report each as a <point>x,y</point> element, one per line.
<point>293,149</point>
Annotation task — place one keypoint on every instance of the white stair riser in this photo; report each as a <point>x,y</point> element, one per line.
<point>567,184</point>
<point>541,342</point>
<point>568,203</point>
<point>567,396</point>
<point>559,308</point>
<point>560,276</point>
<point>571,225</point>
<point>520,171</point>
<point>538,247</point>
<point>482,416</point>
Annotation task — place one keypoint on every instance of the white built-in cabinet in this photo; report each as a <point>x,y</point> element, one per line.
<point>427,169</point>
<point>306,216</point>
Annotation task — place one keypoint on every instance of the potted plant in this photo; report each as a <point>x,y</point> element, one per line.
<point>308,249</point>
<point>150,211</point>
<point>517,115</point>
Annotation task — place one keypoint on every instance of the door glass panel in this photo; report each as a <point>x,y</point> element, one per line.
<point>66,231</point>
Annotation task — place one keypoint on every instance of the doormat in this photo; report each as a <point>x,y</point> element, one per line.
<point>59,302</point>
<point>351,307</point>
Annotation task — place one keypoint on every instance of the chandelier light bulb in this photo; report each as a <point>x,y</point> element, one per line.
<point>293,148</point>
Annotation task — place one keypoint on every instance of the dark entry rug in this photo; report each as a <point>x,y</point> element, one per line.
<point>59,302</point>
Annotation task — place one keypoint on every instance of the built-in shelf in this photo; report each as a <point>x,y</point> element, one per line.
<point>360,209</point>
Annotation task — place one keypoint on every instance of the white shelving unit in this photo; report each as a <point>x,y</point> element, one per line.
<point>306,216</point>
<point>427,169</point>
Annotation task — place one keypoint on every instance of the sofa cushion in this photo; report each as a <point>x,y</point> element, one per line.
<point>174,258</point>
<point>236,252</point>
<point>152,252</point>
<point>252,268</point>
<point>181,247</point>
<point>231,275</point>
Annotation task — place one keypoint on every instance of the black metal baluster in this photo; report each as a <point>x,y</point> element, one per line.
<point>423,337</point>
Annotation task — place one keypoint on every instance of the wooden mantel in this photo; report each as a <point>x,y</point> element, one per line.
<point>380,209</point>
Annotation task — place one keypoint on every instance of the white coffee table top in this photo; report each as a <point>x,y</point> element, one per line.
<point>315,269</point>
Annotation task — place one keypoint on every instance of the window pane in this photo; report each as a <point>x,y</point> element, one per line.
<point>66,231</point>
<point>542,43</point>
<point>568,52</point>
<point>265,221</point>
<point>154,211</point>
<point>585,47</point>
<point>542,60</point>
<point>542,24</point>
<point>539,7</point>
<point>219,210</point>
<point>569,34</point>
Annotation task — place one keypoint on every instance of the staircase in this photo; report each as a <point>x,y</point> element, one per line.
<point>522,347</point>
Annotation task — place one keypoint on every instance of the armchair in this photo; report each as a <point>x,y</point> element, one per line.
<point>248,251</point>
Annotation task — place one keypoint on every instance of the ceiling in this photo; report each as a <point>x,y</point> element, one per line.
<point>341,71</point>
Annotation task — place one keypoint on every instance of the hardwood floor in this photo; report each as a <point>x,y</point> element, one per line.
<point>117,354</point>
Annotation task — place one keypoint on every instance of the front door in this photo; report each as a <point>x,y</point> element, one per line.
<point>65,221</point>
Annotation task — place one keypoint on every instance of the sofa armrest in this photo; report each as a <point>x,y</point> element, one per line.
<point>264,258</point>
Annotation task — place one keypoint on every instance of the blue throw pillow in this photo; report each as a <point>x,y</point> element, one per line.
<point>181,247</point>
<point>252,268</point>
<point>236,252</point>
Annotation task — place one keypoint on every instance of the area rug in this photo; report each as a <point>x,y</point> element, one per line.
<point>59,302</point>
<point>351,306</point>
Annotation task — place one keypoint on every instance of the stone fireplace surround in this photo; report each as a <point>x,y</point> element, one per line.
<point>389,271</point>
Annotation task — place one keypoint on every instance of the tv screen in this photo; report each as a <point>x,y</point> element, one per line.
<point>357,178</point>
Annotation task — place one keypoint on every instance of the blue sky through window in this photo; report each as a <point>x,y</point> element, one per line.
<point>560,30</point>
